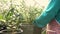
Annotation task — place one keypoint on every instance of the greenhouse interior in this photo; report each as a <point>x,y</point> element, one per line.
<point>17,16</point>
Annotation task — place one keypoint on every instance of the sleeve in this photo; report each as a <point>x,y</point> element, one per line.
<point>47,15</point>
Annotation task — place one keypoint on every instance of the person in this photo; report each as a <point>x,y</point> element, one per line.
<point>50,17</point>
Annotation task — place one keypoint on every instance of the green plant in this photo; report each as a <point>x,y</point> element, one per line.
<point>11,18</point>
<point>44,32</point>
<point>18,13</point>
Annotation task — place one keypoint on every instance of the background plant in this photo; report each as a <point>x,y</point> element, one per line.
<point>13,13</point>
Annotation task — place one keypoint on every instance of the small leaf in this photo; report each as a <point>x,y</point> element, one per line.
<point>1,16</point>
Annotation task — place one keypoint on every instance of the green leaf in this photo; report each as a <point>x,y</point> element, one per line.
<point>44,32</point>
<point>1,16</point>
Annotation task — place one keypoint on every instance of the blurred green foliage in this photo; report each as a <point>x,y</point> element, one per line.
<point>13,12</point>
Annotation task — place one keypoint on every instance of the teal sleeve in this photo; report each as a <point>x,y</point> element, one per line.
<point>47,15</point>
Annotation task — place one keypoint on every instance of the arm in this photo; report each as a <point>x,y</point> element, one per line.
<point>48,14</point>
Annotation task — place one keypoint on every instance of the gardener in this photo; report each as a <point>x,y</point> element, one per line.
<point>50,17</point>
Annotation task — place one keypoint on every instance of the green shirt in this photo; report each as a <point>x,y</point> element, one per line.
<point>50,12</point>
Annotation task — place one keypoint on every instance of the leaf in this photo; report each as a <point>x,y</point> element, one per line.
<point>2,20</point>
<point>44,32</point>
<point>1,16</point>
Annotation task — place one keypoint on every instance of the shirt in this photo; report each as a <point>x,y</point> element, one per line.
<point>52,11</point>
